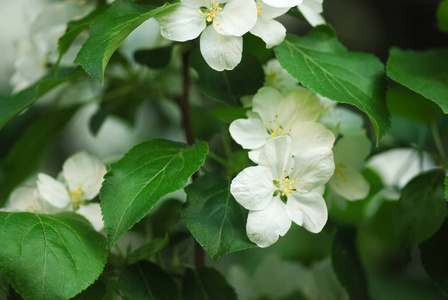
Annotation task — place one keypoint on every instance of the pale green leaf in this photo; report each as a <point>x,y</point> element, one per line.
<point>442,15</point>
<point>325,66</point>
<point>50,256</point>
<point>145,174</point>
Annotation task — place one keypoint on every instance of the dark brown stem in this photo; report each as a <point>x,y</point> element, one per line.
<point>184,104</point>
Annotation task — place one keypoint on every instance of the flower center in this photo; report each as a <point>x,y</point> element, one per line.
<point>339,169</point>
<point>287,186</point>
<point>77,196</point>
<point>274,129</point>
<point>259,9</point>
<point>33,207</point>
<point>211,12</point>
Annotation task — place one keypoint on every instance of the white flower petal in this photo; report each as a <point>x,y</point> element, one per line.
<point>24,199</point>
<point>253,188</point>
<point>314,167</point>
<point>310,135</point>
<point>254,155</point>
<point>311,10</point>
<point>310,209</point>
<point>92,212</point>
<point>221,52</point>
<point>266,102</point>
<point>277,157</point>
<point>237,18</point>
<point>83,171</point>
<point>180,23</point>
<point>283,3</point>
<point>351,185</point>
<point>352,150</point>
<point>271,12</point>
<point>270,31</point>
<point>302,104</point>
<point>264,226</point>
<point>53,191</point>
<point>248,133</point>
<point>196,4</point>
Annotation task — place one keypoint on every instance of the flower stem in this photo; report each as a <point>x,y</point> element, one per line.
<point>184,104</point>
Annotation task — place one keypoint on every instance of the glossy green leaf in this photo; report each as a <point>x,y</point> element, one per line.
<point>421,209</point>
<point>442,15</point>
<point>405,103</point>
<point>107,33</point>
<point>424,72</point>
<point>50,256</point>
<point>39,137</point>
<point>325,66</point>
<point>206,284</point>
<point>147,281</point>
<point>145,174</point>
<point>228,86</point>
<point>214,218</point>
<point>434,258</point>
<point>347,264</point>
<point>13,105</point>
<point>74,28</point>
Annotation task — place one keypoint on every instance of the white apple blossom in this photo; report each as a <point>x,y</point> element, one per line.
<point>270,31</point>
<point>350,153</point>
<point>282,189</point>
<point>275,115</point>
<point>310,9</point>
<point>82,179</point>
<point>26,199</point>
<point>277,77</point>
<point>219,24</point>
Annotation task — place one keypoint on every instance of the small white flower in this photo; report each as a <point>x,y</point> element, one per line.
<point>82,176</point>
<point>293,115</point>
<point>282,189</point>
<point>350,153</point>
<point>270,31</point>
<point>23,199</point>
<point>222,25</point>
<point>92,212</point>
<point>277,77</point>
<point>310,9</point>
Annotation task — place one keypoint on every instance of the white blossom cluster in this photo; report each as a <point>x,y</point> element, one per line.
<point>293,150</point>
<point>79,182</point>
<point>221,25</point>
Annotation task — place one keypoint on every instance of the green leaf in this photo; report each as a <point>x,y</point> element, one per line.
<point>434,258</point>
<point>424,72</point>
<point>154,58</point>
<point>206,284</point>
<point>214,218</point>
<point>50,256</point>
<point>40,136</point>
<point>147,281</point>
<point>149,249</point>
<point>405,103</point>
<point>446,188</point>
<point>421,209</point>
<point>13,105</point>
<point>226,86</point>
<point>325,66</point>
<point>145,174</point>
<point>74,28</point>
<point>442,15</point>
<point>347,264</point>
<point>108,31</point>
